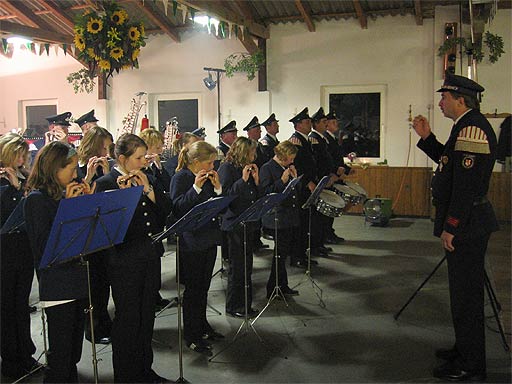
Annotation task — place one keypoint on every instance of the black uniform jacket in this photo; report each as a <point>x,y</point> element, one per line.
<point>268,143</point>
<point>288,211</point>
<point>246,193</point>
<point>305,162</point>
<point>170,166</point>
<point>324,161</point>
<point>161,177</point>
<point>184,198</point>
<point>336,153</point>
<point>461,180</point>
<point>148,219</point>
<point>261,157</point>
<point>82,172</point>
<point>59,282</point>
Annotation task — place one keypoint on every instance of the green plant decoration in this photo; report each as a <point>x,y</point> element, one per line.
<point>493,42</point>
<point>81,81</point>
<point>107,41</point>
<point>244,62</point>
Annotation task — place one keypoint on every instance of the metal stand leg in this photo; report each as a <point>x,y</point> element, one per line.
<point>90,309</point>
<point>419,288</point>
<point>180,379</point>
<point>246,325</point>
<point>307,275</point>
<point>496,308</point>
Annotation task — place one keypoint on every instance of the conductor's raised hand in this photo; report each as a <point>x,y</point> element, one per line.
<point>421,126</point>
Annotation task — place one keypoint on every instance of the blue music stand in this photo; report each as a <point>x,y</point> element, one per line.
<point>193,220</point>
<point>87,224</point>
<point>16,220</point>
<point>310,202</point>
<point>254,213</point>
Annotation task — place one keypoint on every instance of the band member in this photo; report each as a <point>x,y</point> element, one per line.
<point>227,136</point>
<point>17,264</point>
<point>274,177</point>
<point>134,265</point>
<point>63,287</point>
<point>195,182</point>
<point>57,131</point>
<point>464,219</point>
<point>93,154</point>
<point>155,142</point>
<point>239,177</point>
<point>305,164</point>
<point>269,141</point>
<point>184,139</point>
<point>253,130</point>
<point>87,121</point>
<point>199,132</point>
<point>92,164</point>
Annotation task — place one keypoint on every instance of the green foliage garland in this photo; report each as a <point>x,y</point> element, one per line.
<point>81,80</point>
<point>244,62</point>
<point>493,42</point>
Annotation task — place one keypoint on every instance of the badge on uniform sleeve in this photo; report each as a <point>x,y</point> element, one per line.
<point>468,161</point>
<point>443,161</point>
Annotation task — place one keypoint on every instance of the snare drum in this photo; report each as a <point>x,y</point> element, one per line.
<point>330,204</point>
<point>348,195</point>
<point>356,187</point>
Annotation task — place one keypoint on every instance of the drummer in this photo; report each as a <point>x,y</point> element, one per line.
<point>340,167</point>
<point>325,167</point>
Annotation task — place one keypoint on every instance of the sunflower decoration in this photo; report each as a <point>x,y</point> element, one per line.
<point>107,40</point>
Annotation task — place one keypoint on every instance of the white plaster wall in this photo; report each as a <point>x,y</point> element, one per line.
<point>393,51</point>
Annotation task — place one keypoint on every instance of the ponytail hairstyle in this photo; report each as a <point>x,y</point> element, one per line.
<point>197,151</point>
<point>238,153</point>
<point>184,140</point>
<point>50,159</point>
<point>152,137</point>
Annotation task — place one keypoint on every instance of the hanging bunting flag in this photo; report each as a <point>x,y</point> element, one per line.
<point>56,49</point>
<point>37,49</point>
<point>184,11</point>
<point>242,30</point>
<point>174,7</point>
<point>28,45</point>
<point>230,29</point>
<point>221,30</point>
<point>193,14</point>
<point>236,31</point>
<point>166,3</point>
<point>209,25</point>
<point>4,45</point>
<point>65,48</point>
<point>73,49</point>
<point>47,48</point>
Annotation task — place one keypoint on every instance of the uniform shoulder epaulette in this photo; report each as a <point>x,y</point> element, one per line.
<point>313,140</point>
<point>220,154</point>
<point>264,141</point>
<point>295,141</point>
<point>472,139</point>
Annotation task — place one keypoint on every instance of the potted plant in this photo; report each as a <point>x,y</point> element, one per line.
<point>493,42</point>
<point>244,62</point>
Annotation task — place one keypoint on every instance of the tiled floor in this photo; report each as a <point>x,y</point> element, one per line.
<point>354,337</point>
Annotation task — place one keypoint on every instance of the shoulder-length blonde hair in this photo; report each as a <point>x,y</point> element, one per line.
<point>238,153</point>
<point>152,137</point>
<point>50,159</point>
<point>92,143</point>
<point>284,149</point>
<point>11,146</point>
<point>200,151</point>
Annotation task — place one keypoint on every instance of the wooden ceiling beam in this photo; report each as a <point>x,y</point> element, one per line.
<point>360,14</point>
<point>65,19</point>
<point>248,42</point>
<point>243,8</point>
<point>18,9</point>
<point>305,15</point>
<point>35,33</point>
<point>418,14</point>
<point>212,8</point>
<point>156,18</point>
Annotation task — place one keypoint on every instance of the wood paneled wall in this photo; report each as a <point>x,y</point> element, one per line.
<point>409,189</point>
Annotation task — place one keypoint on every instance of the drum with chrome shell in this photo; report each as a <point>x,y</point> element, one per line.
<point>330,204</point>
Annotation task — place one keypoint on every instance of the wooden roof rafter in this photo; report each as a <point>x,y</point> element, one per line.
<point>418,14</point>
<point>305,15</point>
<point>158,19</point>
<point>37,34</point>
<point>18,10</point>
<point>363,20</point>
<point>58,13</point>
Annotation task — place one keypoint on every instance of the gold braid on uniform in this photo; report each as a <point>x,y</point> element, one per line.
<point>295,141</point>
<point>472,139</point>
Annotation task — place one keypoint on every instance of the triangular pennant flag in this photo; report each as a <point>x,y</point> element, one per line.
<point>230,29</point>
<point>56,49</point>
<point>28,45</point>
<point>236,31</point>
<point>47,48</point>
<point>37,48</point>
<point>193,14</point>
<point>242,29</point>
<point>174,7</point>
<point>220,29</point>
<point>209,25</point>
<point>165,3</point>
<point>65,48</point>
<point>4,45</point>
<point>184,11</point>
<point>73,49</point>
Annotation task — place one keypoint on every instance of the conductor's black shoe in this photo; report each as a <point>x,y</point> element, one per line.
<point>200,347</point>
<point>213,336</point>
<point>289,292</point>
<point>452,372</point>
<point>447,354</point>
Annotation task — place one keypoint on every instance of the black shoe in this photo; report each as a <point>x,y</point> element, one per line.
<point>325,249</point>
<point>447,354</point>
<point>201,347</point>
<point>104,339</point>
<point>163,303</point>
<point>452,372</point>
<point>237,314</point>
<point>331,240</point>
<point>289,292</point>
<point>213,335</point>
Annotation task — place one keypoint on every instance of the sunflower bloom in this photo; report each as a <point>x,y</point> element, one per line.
<point>119,17</point>
<point>104,65</point>
<point>94,25</point>
<point>134,33</point>
<point>116,53</point>
<point>135,54</point>
<point>90,52</point>
<point>79,42</point>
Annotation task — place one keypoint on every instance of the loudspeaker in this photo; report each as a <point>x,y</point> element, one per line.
<point>377,211</point>
<point>450,57</point>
